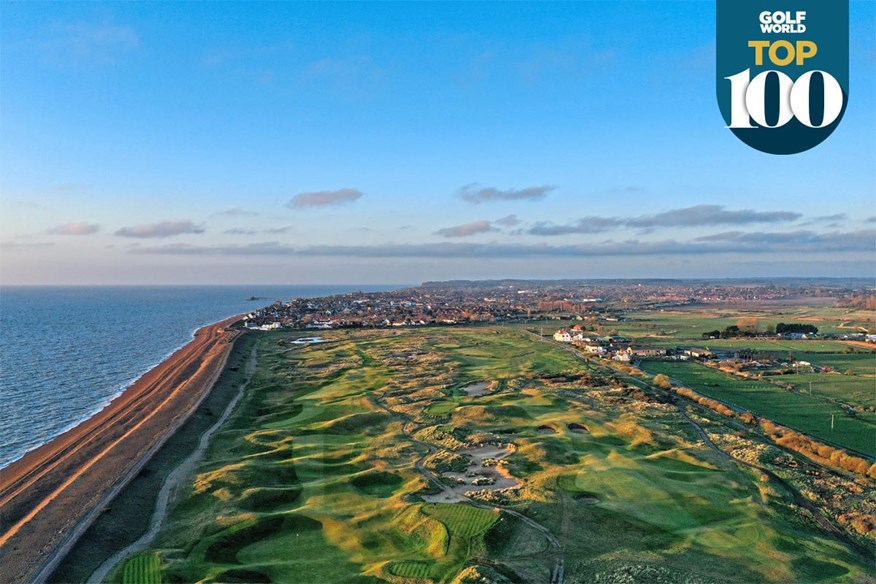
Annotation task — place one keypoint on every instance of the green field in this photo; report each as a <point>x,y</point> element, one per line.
<point>854,390</point>
<point>317,477</point>
<point>863,364</point>
<point>811,415</point>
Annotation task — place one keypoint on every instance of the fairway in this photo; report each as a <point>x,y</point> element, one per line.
<point>142,569</point>
<point>462,520</point>
<point>429,455</point>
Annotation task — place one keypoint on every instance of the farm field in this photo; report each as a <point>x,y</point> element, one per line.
<point>854,390</point>
<point>343,463</point>
<point>861,364</point>
<point>811,415</point>
<point>688,323</point>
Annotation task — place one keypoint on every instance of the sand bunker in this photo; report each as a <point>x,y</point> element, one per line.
<point>546,429</point>
<point>308,341</point>
<point>484,473</point>
<point>478,389</point>
<point>578,428</point>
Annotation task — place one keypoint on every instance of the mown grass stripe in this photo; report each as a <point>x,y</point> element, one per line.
<point>142,569</point>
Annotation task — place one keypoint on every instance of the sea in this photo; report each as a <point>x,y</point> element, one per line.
<point>66,352</point>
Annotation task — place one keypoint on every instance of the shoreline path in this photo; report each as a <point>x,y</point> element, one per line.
<point>173,481</point>
<point>49,497</point>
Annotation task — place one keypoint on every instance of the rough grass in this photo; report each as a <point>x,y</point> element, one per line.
<point>224,547</point>
<point>377,484</point>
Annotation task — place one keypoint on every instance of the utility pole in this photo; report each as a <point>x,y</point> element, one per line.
<point>831,421</point>
<point>810,388</point>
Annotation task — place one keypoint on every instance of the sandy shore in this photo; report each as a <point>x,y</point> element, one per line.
<point>47,496</point>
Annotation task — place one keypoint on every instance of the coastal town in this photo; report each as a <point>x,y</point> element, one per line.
<point>596,305</point>
<point>599,320</point>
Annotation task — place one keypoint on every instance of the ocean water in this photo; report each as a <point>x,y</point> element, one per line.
<point>65,353</point>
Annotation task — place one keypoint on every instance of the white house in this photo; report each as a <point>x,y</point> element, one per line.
<point>594,349</point>
<point>563,336</point>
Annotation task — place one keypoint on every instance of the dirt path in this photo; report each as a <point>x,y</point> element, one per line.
<point>173,481</point>
<point>50,496</point>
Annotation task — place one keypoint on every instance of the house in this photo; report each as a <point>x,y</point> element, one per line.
<point>593,349</point>
<point>697,352</point>
<point>798,365</point>
<point>794,336</point>
<point>649,352</point>
<point>624,355</point>
<point>563,336</point>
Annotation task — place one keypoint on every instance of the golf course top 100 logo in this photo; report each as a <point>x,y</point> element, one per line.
<point>782,71</point>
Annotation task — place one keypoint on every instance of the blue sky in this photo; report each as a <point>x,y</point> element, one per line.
<point>395,143</point>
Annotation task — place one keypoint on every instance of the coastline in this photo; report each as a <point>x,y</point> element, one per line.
<point>107,401</point>
<point>48,496</point>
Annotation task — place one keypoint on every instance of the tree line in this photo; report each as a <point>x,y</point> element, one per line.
<point>749,327</point>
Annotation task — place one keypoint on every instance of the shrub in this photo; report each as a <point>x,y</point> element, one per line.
<point>817,451</point>
<point>662,381</point>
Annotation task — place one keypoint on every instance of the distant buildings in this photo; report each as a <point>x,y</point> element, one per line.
<point>270,326</point>
<point>626,350</point>
<point>465,302</point>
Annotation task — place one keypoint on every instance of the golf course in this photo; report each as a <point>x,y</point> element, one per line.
<point>479,454</point>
